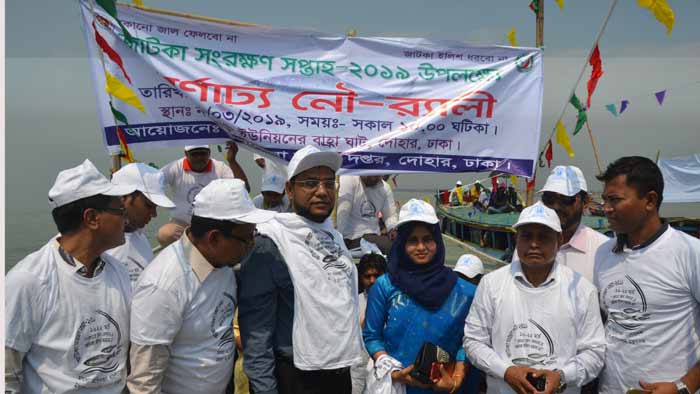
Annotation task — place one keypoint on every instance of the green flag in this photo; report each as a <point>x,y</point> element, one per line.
<point>111,7</point>
<point>582,117</point>
<point>118,115</point>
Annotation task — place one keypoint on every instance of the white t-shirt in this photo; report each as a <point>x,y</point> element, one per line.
<point>135,254</point>
<point>359,205</point>
<point>651,297</point>
<point>185,303</point>
<point>325,331</point>
<point>259,201</point>
<point>74,330</point>
<point>184,185</point>
<point>554,326</point>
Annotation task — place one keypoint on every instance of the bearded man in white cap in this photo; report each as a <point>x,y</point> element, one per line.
<point>566,192</point>
<point>536,317</point>
<point>67,304</point>
<point>272,196</point>
<point>182,311</point>
<point>136,252</point>
<point>299,299</point>
<point>186,176</point>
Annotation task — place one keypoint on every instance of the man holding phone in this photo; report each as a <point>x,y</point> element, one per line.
<point>535,325</point>
<point>649,282</point>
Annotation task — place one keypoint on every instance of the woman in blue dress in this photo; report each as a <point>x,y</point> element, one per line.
<point>418,300</point>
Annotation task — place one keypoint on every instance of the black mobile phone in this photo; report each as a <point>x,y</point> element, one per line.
<point>538,383</point>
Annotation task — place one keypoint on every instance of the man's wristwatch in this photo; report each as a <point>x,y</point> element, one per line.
<point>562,381</point>
<point>681,387</point>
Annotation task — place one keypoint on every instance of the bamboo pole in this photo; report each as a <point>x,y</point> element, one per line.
<point>539,43</point>
<point>189,16</point>
<point>595,148</point>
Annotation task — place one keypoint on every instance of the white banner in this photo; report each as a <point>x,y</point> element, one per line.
<point>387,104</point>
<point>681,178</point>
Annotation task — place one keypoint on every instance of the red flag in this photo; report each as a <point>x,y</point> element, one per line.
<point>128,156</point>
<point>596,73</point>
<point>548,153</point>
<point>531,184</point>
<point>111,53</point>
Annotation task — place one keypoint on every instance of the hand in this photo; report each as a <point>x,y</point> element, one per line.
<point>659,387</point>
<point>392,234</point>
<point>446,381</point>
<point>515,376</point>
<point>404,377</point>
<point>553,380</point>
<point>231,151</point>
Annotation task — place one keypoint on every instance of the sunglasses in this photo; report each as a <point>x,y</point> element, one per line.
<point>554,198</point>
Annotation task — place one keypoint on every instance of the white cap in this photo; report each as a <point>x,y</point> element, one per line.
<point>469,265</point>
<point>227,199</point>
<point>458,183</point>
<point>272,182</point>
<point>540,214</point>
<point>193,147</point>
<point>310,157</point>
<point>81,182</point>
<point>566,180</point>
<point>257,156</point>
<point>418,211</point>
<point>145,179</point>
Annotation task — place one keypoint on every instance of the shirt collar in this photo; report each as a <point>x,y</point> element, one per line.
<point>200,266</point>
<point>78,267</point>
<point>519,275</point>
<point>579,240</point>
<point>622,243</point>
<point>187,167</point>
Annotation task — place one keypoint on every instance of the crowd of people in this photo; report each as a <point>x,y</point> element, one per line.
<point>94,311</point>
<point>502,198</point>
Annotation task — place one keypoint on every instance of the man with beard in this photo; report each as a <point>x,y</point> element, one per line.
<point>566,193</point>
<point>182,311</point>
<point>136,253</point>
<point>298,298</point>
<point>649,282</point>
<point>360,200</point>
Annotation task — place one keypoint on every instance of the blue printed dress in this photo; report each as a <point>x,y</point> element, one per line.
<point>398,325</point>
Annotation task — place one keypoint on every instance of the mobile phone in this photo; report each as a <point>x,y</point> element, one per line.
<point>633,390</point>
<point>538,383</point>
<point>435,371</point>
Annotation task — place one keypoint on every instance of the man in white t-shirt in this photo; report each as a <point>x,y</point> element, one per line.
<point>67,304</point>
<point>360,200</point>
<point>566,192</point>
<point>649,283</point>
<point>299,299</point>
<point>183,305</point>
<point>535,316</point>
<point>185,177</point>
<point>136,253</point>
<point>272,196</point>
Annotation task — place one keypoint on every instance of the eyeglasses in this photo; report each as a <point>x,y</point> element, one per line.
<point>249,242</point>
<point>121,211</point>
<point>554,198</point>
<point>313,184</point>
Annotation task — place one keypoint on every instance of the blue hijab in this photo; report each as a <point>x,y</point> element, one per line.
<point>428,284</point>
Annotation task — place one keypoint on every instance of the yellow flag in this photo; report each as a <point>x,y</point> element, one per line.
<point>511,38</point>
<point>138,3</point>
<point>563,139</point>
<point>560,3</point>
<point>514,181</point>
<point>661,10</point>
<point>122,92</point>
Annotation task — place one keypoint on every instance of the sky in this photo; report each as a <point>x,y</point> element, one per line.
<point>51,120</point>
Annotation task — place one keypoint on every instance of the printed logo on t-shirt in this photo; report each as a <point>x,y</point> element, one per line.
<point>627,310</point>
<point>530,344</point>
<point>368,210</point>
<point>135,269</point>
<point>323,247</point>
<point>96,351</point>
<point>192,193</point>
<point>222,327</point>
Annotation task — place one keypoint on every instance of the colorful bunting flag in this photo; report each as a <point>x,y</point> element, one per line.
<point>110,52</point>
<point>611,108</point>
<point>125,148</point>
<point>662,11</point>
<point>535,6</point>
<point>530,184</point>
<point>514,181</point>
<point>511,38</point>
<point>660,96</point>
<point>548,154</point>
<point>563,139</point>
<point>118,115</point>
<point>111,7</point>
<point>560,3</point>
<point>582,116</point>
<point>623,106</point>
<point>122,92</point>
<point>596,73</point>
